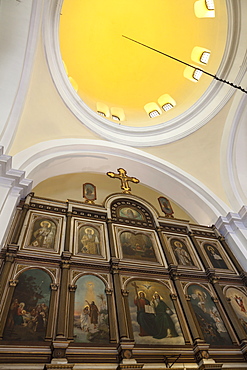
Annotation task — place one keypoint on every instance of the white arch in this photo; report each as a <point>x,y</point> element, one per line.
<point>234,153</point>
<point>55,157</point>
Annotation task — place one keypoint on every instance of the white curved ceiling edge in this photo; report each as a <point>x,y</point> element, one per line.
<point>199,114</point>
<point>56,157</point>
<point>22,56</point>
<point>234,153</point>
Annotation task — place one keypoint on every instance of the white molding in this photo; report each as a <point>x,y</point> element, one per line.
<point>234,228</point>
<point>56,157</point>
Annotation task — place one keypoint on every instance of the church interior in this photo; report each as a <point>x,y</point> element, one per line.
<point>123,201</point>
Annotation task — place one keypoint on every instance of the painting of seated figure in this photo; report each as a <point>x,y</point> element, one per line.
<point>89,240</point>
<point>154,319</point>
<point>43,233</point>
<point>137,245</point>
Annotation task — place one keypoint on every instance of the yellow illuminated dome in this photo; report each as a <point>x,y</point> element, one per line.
<point>125,81</point>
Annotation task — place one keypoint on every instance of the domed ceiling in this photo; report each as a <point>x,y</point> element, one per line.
<point>130,84</point>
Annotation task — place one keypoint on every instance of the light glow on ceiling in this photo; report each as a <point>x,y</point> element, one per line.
<point>110,69</point>
<point>204,9</point>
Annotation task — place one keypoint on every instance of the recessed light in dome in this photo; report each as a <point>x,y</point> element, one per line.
<point>197,74</point>
<point>115,118</point>
<point>167,106</point>
<point>209,4</point>
<point>205,57</point>
<point>153,114</point>
<point>101,114</point>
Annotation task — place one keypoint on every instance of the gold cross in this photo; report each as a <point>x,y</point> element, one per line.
<point>124,179</point>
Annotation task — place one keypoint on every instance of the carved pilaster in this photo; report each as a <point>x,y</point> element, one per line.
<point>72,290</point>
<point>188,312</point>
<point>52,313</point>
<point>121,312</point>
<point>181,318</point>
<point>10,255</point>
<point>67,231</point>
<point>125,294</point>
<point>112,318</point>
<point>63,298</point>
<point>12,285</point>
<point>164,247</point>
<point>198,249</point>
<point>111,238</point>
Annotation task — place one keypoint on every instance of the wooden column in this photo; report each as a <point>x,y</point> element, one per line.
<point>63,297</point>
<point>111,316</point>
<point>181,319</point>
<point>72,289</point>
<point>67,231</point>
<point>12,285</point>
<point>188,312</point>
<point>21,219</point>
<point>199,250</point>
<point>52,313</point>
<point>125,294</point>
<point>111,239</point>
<point>121,314</point>
<point>164,246</point>
<point>10,255</point>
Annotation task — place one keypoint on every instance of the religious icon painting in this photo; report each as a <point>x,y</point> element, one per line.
<point>238,299</point>
<point>216,256</point>
<point>43,233</point>
<point>153,316</point>
<point>90,312</point>
<point>166,207</point>
<point>28,312</point>
<point>131,213</point>
<point>89,193</point>
<point>208,316</point>
<point>182,251</point>
<point>139,245</point>
<point>90,239</point>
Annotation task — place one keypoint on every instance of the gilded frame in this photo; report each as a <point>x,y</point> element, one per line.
<point>89,239</point>
<point>222,263</point>
<point>182,251</point>
<point>138,245</point>
<point>43,233</point>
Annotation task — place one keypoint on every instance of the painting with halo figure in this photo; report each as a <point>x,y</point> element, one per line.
<point>91,313</point>
<point>154,319</point>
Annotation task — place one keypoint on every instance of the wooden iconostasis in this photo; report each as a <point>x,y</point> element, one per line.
<point>100,276</point>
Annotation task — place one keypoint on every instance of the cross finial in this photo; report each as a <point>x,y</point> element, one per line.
<point>124,179</point>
